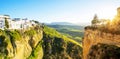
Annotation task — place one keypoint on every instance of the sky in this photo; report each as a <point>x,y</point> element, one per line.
<point>74,11</point>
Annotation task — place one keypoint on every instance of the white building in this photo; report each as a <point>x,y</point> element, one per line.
<point>16,23</point>
<point>2,21</point>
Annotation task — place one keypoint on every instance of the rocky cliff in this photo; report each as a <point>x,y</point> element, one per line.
<point>102,41</point>
<point>94,37</point>
<point>18,44</point>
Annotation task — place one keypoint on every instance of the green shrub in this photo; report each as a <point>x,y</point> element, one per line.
<point>2,37</point>
<point>30,32</point>
<point>15,35</point>
<point>36,51</point>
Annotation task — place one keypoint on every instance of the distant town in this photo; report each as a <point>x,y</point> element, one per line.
<point>16,23</point>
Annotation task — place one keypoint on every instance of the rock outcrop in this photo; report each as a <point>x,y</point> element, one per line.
<point>102,41</point>
<point>18,44</point>
<point>94,37</point>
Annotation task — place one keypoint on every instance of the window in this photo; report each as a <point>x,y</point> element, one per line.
<point>1,20</point>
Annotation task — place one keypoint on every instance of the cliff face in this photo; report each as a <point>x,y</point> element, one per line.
<point>58,48</point>
<point>26,46</point>
<point>104,51</point>
<point>18,44</point>
<point>94,37</point>
<point>103,41</point>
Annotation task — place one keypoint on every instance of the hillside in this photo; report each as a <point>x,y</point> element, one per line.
<point>58,46</point>
<point>72,31</point>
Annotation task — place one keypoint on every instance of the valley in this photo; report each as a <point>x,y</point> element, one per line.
<point>74,32</point>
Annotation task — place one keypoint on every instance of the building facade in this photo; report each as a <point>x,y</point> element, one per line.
<point>16,23</point>
<point>2,21</point>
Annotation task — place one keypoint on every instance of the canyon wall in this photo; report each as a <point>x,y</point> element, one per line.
<point>94,36</point>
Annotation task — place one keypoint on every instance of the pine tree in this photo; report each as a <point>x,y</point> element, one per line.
<point>95,20</point>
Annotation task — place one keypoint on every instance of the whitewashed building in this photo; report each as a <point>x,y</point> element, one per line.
<point>16,23</point>
<point>2,21</point>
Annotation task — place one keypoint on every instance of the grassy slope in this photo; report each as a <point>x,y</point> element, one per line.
<point>53,32</point>
<point>61,46</point>
<point>58,46</point>
<point>72,31</point>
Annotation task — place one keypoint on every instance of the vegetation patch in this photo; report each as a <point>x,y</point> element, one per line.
<point>30,32</point>
<point>37,52</point>
<point>58,46</point>
<point>71,31</point>
<point>15,35</point>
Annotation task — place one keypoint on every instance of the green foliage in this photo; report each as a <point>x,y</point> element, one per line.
<point>51,32</point>
<point>3,46</point>
<point>37,52</point>
<point>71,31</point>
<point>95,20</point>
<point>30,32</point>
<point>15,35</point>
<point>56,45</point>
<point>6,23</point>
<point>70,27</point>
<point>2,38</point>
<point>9,37</point>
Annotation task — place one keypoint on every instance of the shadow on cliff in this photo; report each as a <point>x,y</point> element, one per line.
<point>104,51</point>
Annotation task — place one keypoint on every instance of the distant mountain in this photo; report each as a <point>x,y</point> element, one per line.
<point>83,24</point>
<point>67,23</point>
<point>61,23</point>
<point>71,27</point>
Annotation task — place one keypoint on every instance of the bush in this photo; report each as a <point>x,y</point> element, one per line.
<point>30,32</point>
<point>36,51</point>
<point>15,35</point>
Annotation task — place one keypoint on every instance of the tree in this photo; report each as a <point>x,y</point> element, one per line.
<point>118,11</point>
<point>6,23</point>
<point>95,20</point>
